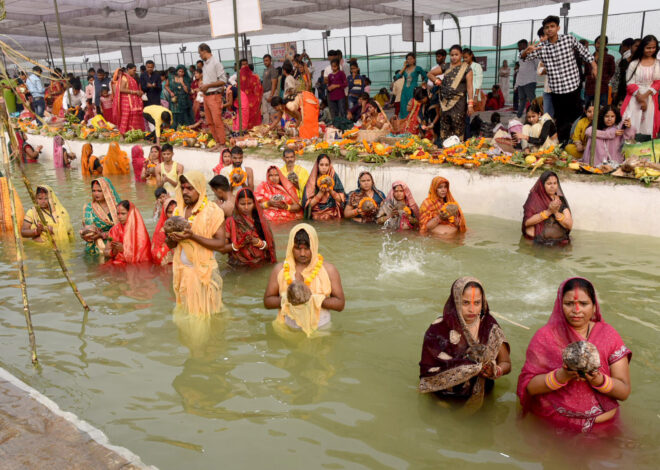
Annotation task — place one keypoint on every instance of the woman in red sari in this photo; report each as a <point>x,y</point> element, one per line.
<point>278,197</point>
<point>127,100</point>
<point>137,159</point>
<point>160,252</point>
<point>440,214</point>
<point>249,239</point>
<point>586,402</point>
<point>225,160</point>
<point>128,241</point>
<point>251,84</point>
<point>412,122</point>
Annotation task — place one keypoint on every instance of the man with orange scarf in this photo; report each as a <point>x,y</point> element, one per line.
<point>127,100</point>
<point>196,281</point>
<point>440,214</point>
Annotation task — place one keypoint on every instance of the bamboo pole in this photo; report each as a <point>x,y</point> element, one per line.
<point>20,255</point>
<point>5,122</point>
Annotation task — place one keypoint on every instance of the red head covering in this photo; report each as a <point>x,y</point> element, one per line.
<point>160,152</point>
<point>576,405</point>
<point>433,205</point>
<point>137,157</point>
<point>284,183</point>
<point>257,220</point>
<point>410,200</point>
<point>218,168</point>
<point>158,247</point>
<point>538,200</point>
<point>134,237</point>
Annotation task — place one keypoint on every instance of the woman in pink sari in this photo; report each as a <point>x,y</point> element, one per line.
<point>251,85</point>
<point>278,197</point>
<point>580,402</point>
<point>127,100</point>
<point>232,97</point>
<point>137,158</point>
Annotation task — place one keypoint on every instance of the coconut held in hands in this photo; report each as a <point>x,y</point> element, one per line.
<point>175,224</point>
<point>582,357</point>
<point>298,293</point>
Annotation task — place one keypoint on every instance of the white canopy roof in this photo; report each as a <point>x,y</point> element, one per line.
<point>85,21</point>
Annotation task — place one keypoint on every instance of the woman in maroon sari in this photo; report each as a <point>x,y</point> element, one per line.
<point>548,389</point>
<point>251,85</point>
<point>547,219</point>
<point>249,239</point>
<point>127,100</point>
<point>465,349</point>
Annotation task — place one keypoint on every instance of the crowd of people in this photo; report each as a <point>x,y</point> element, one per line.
<point>465,350</point>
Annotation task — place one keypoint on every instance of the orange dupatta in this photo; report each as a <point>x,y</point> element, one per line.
<point>87,161</point>
<point>266,190</point>
<point>115,161</point>
<point>433,205</point>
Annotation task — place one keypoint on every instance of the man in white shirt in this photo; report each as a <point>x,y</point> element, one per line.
<point>526,79</point>
<point>75,98</point>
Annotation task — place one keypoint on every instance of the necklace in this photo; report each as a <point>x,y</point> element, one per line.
<point>308,280</point>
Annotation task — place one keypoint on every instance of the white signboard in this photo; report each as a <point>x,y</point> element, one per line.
<point>407,28</point>
<point>221,15</point>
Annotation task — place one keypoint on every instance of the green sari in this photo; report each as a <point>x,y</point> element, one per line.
<point>93,214</point>
<point>181,103</point>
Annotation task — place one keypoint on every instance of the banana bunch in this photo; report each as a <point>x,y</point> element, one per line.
<point>642,171</point>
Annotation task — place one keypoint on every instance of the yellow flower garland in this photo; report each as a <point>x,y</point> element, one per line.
<point>205,202</point>
<point>237,171</point>
<point>308,280</point>
<point>363,201</point>
<point>329,186</point>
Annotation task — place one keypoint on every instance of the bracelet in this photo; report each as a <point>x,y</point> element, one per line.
<point>559,216</point>
<point>288,207</point>
<point>233,247</point>
<point>544,215</point>
<point>266,204</point>
<point>606,386</point>
<point>552,382</point>
<point>263,246</point>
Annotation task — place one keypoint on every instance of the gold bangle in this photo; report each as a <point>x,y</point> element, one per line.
<point>559,216</point>
<point>544,215</point>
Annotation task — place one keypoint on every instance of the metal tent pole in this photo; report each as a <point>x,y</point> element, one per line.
<point>160,46</point>
<point>98,51</point>
<point>350,30</point>
<point>599,77</point>
<point>130,42</point>
<point>497,44</point>
<point>238,75</point>
<point>414,49</point>
<point>49,50</point>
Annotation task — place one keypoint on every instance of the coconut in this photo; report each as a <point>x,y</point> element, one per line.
<point>293,177</point>
<point>582,357</point>
<point>237,177</point>
<point>451,208</point>
<point>326,181</point>
<point>175,224</point>
<point>190,141</point>
<point>89,230</point>
<point>298,293</point>
<point>277,198</point>
<point>368,206</point>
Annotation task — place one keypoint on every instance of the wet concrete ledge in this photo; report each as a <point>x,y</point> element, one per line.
<point>36,434</point>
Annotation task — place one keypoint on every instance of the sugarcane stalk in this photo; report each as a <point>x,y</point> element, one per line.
<point>5,122</point>
<point>20,255</point>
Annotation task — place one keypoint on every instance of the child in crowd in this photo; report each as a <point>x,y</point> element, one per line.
<point>383,97</point>
<point>337,82</point>
<point>90,112</point>
<point>611,133</point>
<point>106,104</point>
<point>539,131</point>
<point>579,137</point>
<point>161,196</point>
<point>324,114</point>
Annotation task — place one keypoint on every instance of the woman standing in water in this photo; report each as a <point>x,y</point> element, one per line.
<point>57,218</point>
<point>363,203</point>
<point>440,214</point>
<point>128,240</point>
<point>99,215</point>
<point>547,218</point>
<point>324,196</point>
<point>564,398</point>
<point>465,349</point>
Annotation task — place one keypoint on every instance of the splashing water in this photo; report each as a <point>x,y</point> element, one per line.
<point>399,257</point>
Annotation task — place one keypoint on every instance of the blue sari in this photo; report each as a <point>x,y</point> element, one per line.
<point>354,198</point>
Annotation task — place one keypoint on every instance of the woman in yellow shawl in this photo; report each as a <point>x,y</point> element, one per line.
<point>90,164</point>
<point>440,214</point>
<point>57,218</point>
<point>304,266</point>
<point>116,161</point>
<point>196,280</point>
<point>6,224</point>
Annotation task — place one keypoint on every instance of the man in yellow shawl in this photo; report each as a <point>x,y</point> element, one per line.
<point>196,280</point>
<point>304,264</point>
<point>57,218</point>
<point>295,173</point>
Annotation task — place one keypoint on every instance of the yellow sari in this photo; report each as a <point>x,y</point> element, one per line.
<point>58,219</point>
<point>196,281</point>
<point>5,207</point>
<point>306,316</point>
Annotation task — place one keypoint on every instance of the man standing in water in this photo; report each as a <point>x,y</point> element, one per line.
<point>295,173</point>
<point>237,163</point>
<point>168,172</point>
<point>225,199</point>
<point>196,281</point>
<point>304,269</point>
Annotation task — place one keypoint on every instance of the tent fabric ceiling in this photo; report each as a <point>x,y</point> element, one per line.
<point>86,21</point>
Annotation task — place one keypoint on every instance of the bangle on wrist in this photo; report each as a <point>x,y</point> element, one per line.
<point>544,215</point>
<point>233,247</point>
<point>559,216</point>
<point>606,386</point>
<point>552,382</point>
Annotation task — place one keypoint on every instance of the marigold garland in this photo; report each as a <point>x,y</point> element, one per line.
<point>308,280</point>
<point>237,171</point>
<point>365,200</point>
<point>202,206</point>
<point>321,184</point>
